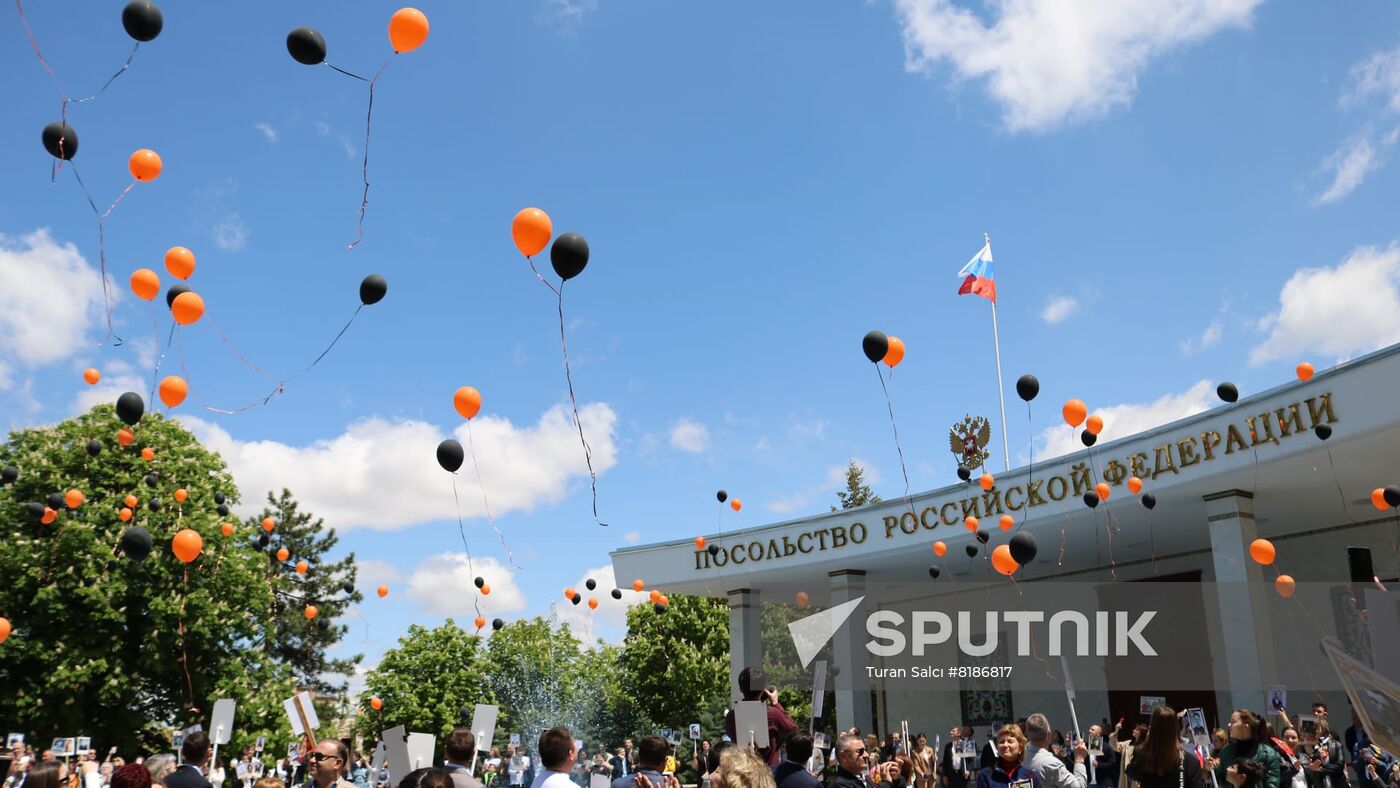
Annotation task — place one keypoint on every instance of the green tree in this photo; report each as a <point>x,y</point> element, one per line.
<point>106,646</point>
<point>534,674</point>
<point>429,683</point>
<point>857,492</point>
<point>676,663</point>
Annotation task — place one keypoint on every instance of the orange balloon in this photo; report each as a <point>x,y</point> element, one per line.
<point>187,545</point>
<point>802,599</point>
<point>125,437</point>
<point>895,354</point>
<point>49,516</point>
<point>480,622</point>
<point>4,629</point>
<point>144,165</point>
<point>987,481</point>
<point>1007,522</point>
<point>1262,551</point>
<point>226,529</point>
<point>971,524</point>
<point>173,390</point>
<point>301,567</point>
<point>736,504</point>
<point>569,592</point>
<point>485,589</point>
<point>1285,586</point>
<point>179,261</point>
<point>655,595</point>
<point>1074,412</point>
<point>408,29</point>
<point>592,603</point>
<point>638,585</point>
<point>664,600</point>
<point>467,401</point>
<point>124,515</point>
<point>145,283</point>
<point>940,549</point>
<point>1103,490</point>
<point>131,501</point>
<point>531,230</point>
<point>91,376</point>
<point>182,495</point>
<point>1134,485</point>
<point>283,554</point>
<point>74,498</point>
<point>268,524</point>
<point>383,591</point>
<point>1094,424</point>
<point>1378,499</point>
<point>1305,371</point>
<point>310,612</point>
<point>377,704</point>
<point>699,543</point>
<point>187,308</point>
<point>148,454</point>
<point>1002,560</point>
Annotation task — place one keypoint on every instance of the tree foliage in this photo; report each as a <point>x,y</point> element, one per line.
<point>676,663</point>
<point>857,492</point>
<point>429,683</point>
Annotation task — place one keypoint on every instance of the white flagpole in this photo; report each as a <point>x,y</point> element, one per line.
<point>1001,392</point>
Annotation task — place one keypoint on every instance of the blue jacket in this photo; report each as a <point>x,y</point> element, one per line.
<point>994,777</point>
<point>794,775</point>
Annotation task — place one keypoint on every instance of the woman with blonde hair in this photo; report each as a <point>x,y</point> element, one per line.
<point>160,766</point>
<point>1010,747</point>
<point>741,767</point>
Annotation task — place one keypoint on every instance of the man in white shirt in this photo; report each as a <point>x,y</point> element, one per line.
<point>557,756</point>
<point>1047,767</point>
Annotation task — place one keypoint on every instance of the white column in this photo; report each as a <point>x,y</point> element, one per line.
<point>1241,589</point>
<point>849,656</point>
<point>745,646</point>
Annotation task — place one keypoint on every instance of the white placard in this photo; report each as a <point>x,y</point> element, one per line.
<point>751,723</point>
<point>396,753</point>
<point>1196,727</point>
<point>484,725</point>
<point>420,749</point>
<point>599,781</point>
<point>222,721</point>
<point>307,707</point>
<point>380,754</point>
<point>1278,697</point>
<point>84,744</point>
<point>818,688</point>
<point>694,731</point>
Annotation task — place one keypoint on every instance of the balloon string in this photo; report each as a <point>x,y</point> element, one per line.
<point>462,530</point>
<point>184,652</point>
<point>369,117</point>
<point>346,73</point>
<point>573,400</point>
<point>471,446</point>
<point>235,351</point>
<point>155,348</point>
<point>107,297</point>
<point>890,406</point>
<point>333,341</point>
<point>552,288</point>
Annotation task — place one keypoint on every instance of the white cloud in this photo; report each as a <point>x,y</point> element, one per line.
<point>1351,163</point>
<point>566,15</point>
<point>384,474</point>
<point>1378,75</point>
<point>49,299</point>
<point>1049,63</point>
<point>371,573</point>
<point>1120,421</point>
<point>690,436</point>
<point>632,537</point>
<point>1208,339</point>
<point>761,445</point>
<point>810,427</point>
<point>268,131</point>
<point>351,152</point>
<point>1059,309</point>
<point>117,378</point>
<point>322,129</point>
<point>835,480</point>
<point>609,620</point>
<point>1353,307</point>
<point>443,585</point>
<point>231,233</point>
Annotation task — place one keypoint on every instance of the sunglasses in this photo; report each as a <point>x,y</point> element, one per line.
<point>317,757</point>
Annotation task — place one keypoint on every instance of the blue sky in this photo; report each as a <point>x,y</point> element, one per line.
<point>1177,193</point>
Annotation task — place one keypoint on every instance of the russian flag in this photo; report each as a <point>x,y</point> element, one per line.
<point>978,276</point>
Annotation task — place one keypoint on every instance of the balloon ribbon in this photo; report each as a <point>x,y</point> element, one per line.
<point>461,529</point>
<point>486,504</point>
<point>573,400</point>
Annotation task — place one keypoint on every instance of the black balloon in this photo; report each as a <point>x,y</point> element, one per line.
<point>1392,495</point>
<point>934,572</point>
<point>142,20</point>
<point>713,550</point>
<point>1149,501</point>
<point>56,501</point>
<point>569,255</point>
<point>875,345</point>
<point>576,598</point>
<point>154,504</point>
<point>479,582</point>
<point>1227,391</point>
<point>8,474</point>
<point>94,447</point>
<point>617,593</point>
<point>136,543</point>
<point>983,537</point>
<point>1027,386</point>
<point>449,455</point>
<point>306,46</point>
<point>130,408</point>
<point>35,508</point>
<point>349,587</point>
<point>1322,431</point>
<point>590,584</point>
<point>175,291</point>
<point>658,607</point>
<point>1023,547</point>
<point>498,624</point>
<point>964,472</point>
<point>219,498</point>
<point>372,289</point>
<point>722,496</point>
<point>60,140</point>
<point>1088,438</point>
<point>151,480</point>
<point>971,550</point>
<point>263,540</point>
<point>222,509</point>
<point>1091,500</point>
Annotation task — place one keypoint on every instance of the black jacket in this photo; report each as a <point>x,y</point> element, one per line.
<point>794,775</point>
<point>187,776</point>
